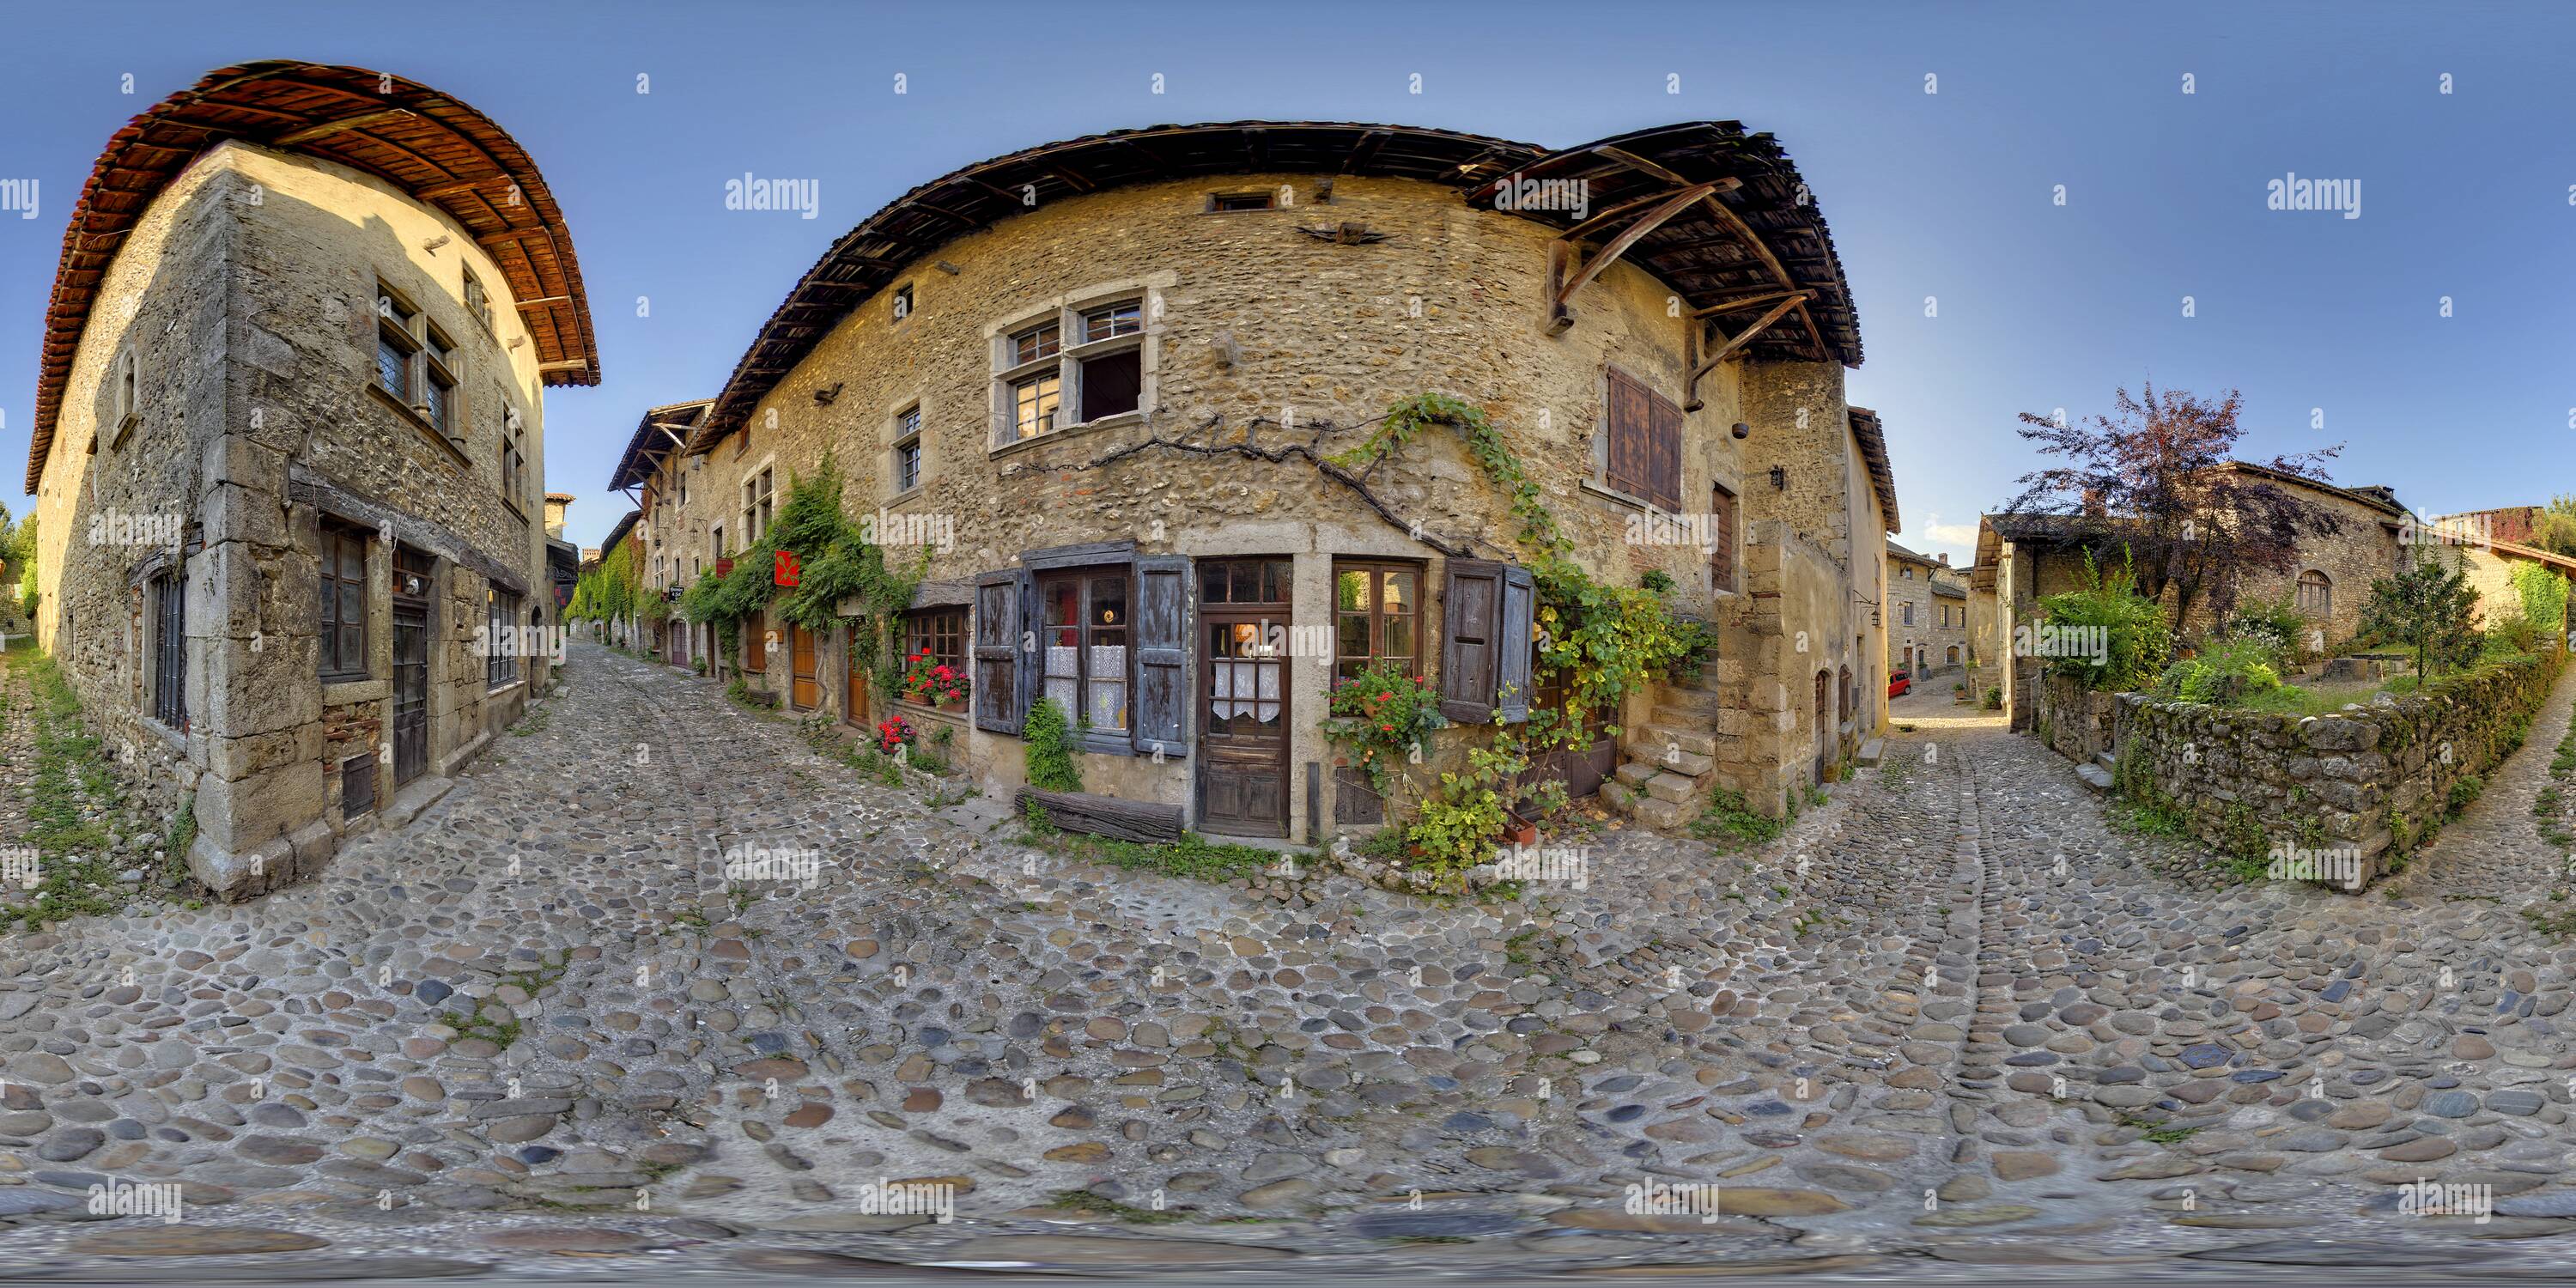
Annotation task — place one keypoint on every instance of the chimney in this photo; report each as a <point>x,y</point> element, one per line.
<point>1945,559</point>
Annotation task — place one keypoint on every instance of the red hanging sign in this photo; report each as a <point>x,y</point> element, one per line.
<point>724,567</point>
<point>788,568</point>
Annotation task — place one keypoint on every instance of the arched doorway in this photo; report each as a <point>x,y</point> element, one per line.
<point>1954,655</point>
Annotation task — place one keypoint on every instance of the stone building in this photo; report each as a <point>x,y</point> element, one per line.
<point>289,450</point>
<point>1927,614</point>
<point>2036,555</point>
<point>1101,379</point>
<point>678,531</point>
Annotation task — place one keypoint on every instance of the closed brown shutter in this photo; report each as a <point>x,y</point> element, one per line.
<point>1663,453</point>
<point>1627,423</point>
<point>1721,538</point>
<point>997,651</point>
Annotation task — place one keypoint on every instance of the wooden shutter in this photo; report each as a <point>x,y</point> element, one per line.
<point>1512,644</point>
<point>1663,453</point>
<point>1627,424</point>
<point>1162,634</point>
<point>1721,547</point>
<point>1470,601</point>
<point>997,651</point>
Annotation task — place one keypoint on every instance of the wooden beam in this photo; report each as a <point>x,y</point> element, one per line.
<point>455,186</point>
<point>544,300</point>
<point>515,234</point>
<point>1614,214</point>
<point>1745,302</point>
<point>568,364</point>
<point>1364,150</point>
<point>325,129</point>
<point>1559,316</point>
<point>1744,337</point>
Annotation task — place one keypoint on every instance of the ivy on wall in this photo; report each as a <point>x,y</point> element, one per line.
<point>838,562</point>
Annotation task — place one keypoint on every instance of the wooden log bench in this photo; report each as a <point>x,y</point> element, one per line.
<point>1107,816</point>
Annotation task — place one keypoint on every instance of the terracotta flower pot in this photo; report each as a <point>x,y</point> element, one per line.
<point>1518,830</point>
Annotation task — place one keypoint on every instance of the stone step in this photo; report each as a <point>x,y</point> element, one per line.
<point>2095,777</point>
<point>1657,740</point>
<point>1688,764</point>
<point>1870,751</point>
<point>1661,815</point>
<point>2106,760</point>
<point>1672,787</point>
<point>1635,774</point>
<point>1700,703</point>
<point>1676,718</point>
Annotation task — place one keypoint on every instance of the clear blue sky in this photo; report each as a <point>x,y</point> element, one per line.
<point>1947,195</point>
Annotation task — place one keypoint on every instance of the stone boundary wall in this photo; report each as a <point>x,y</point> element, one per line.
<point>2075,722</point>
<point>2380,778</point>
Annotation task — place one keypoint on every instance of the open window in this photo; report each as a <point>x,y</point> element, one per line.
<point>1077,366</point>
<point>1106,636</point>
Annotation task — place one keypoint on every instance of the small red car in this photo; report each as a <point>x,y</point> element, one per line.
<point>1898,682</point>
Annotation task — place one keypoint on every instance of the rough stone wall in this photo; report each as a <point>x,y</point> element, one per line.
<point>2076,722</point>
<point>1258,323</point>
<point>2361,552</point>
<point>261,405</point>
<point>2378,778</point>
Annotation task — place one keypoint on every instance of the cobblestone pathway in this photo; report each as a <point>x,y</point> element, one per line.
<point>1949,1013</point>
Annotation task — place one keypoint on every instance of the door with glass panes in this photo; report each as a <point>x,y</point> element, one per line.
<point>1243,625</point>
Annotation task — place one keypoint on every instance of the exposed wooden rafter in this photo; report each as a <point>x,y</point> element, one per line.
<point>1562,284</point>
<point>1734,344</point>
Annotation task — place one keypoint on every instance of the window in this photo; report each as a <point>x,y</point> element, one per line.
<point>718,538</point>
<point>1909,614</point>
<point>477,303</point>
<point>501,615</point>
<point>1906,571</point>
<point>1642,446</point>
<point>395,343</point>
<point>1224,202</point>
<point>1721,539</point>
<point>128,401</point>
<point>759,494</point>
<point>344,603</point>
<point>1377,616</point>
<point>513,457</point>
<point>682,482</point>
<point>907,450</point>
<point>1037,342</point>
<point>170,650</point>
<point>903,302</point>
<point>1101,374</point>
<point>940,632</point>
<point>2316,595</point>
<point>1083,643</point>
<point>438,384</point>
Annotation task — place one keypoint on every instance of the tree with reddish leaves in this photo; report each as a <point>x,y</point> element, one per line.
<point>2160,477</point>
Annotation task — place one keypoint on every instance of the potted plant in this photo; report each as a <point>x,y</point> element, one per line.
<point>931,682</point>
<point>893,733</point>
<point>1518,830</point>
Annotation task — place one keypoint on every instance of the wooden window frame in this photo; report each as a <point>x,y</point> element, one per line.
<point>2324,609</point>
<point>928,627</point>
<point>1243,201</point>
<point>1088,577</point>
<point>1726,546</point>
<point>332,535</point>
<point>1374,610</point>
<point>1021,364</point>
<point>759,502</point>
<point>907,439</point>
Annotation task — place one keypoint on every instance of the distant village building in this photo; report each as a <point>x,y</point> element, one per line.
<point>1927,627</point>
<point>1098,378</point>
<point>288,448</point>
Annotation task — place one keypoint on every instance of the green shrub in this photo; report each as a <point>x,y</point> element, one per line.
<point>1050,747</point>
<point>2238,666</point>
<point>2135,642</point>
<point>2544,597</point>
<point>2279,618</point>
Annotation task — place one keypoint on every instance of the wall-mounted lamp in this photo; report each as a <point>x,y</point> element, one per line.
<point>1741,429</point>
<point>1779,478</point>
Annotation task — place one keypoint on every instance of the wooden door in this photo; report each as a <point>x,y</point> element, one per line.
<point>806,691</point>
<point>1244,624</point>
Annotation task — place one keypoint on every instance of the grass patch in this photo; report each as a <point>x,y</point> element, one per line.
<point>2161,1133</point>
<point>1094,1205</point>
<point>1730,825</point>
<point>2149,818</point>
<point>76,874</point>
<point>1193,856</point>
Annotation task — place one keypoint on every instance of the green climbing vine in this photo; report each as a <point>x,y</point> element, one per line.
<point>838,563</point>
<point>1608,641</point>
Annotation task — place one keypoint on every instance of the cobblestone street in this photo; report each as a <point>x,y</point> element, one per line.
<point>1949,1012</point>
